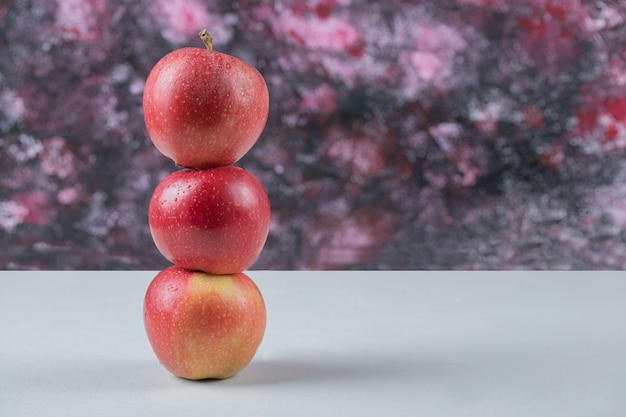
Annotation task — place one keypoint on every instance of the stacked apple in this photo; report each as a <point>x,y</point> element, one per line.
<point>204,109</point>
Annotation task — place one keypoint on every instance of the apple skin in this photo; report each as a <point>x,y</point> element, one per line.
<point>204,108</point>
<point>203,326</point>
<point>214,220</point>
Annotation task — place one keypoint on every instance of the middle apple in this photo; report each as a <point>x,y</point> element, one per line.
<point>214,220</point>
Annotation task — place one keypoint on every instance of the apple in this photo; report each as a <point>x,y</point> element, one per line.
<point>204,108</point>
<point>203,326</point>
<point>214,220</point>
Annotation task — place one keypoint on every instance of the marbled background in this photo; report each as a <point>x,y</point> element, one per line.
<point>450,134</point>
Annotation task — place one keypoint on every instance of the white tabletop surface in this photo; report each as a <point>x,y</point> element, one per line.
<point>482,344</point>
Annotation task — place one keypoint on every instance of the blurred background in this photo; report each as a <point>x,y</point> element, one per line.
<point>449,134</point>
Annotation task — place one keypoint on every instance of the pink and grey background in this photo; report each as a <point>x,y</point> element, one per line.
<point>451,134</point>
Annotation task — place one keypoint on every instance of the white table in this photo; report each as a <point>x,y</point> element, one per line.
<point>395,344</point>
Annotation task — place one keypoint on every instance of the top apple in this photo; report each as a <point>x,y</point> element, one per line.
<point>204,108</point>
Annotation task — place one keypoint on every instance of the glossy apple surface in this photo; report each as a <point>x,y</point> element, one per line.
<point>204,108</point>
<point>214,220</point>
<point>203,326</point>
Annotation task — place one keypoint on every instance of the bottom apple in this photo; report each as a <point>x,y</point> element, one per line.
<point>203,326</point>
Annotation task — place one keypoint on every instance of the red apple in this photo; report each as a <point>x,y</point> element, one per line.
<point>214,220</point>
<point>204,108</point>
<point>203,326</point>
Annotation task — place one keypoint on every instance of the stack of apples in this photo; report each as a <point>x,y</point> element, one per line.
<point>204,109</point>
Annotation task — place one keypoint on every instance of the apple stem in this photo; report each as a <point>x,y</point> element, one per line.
<point>207,39</point>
